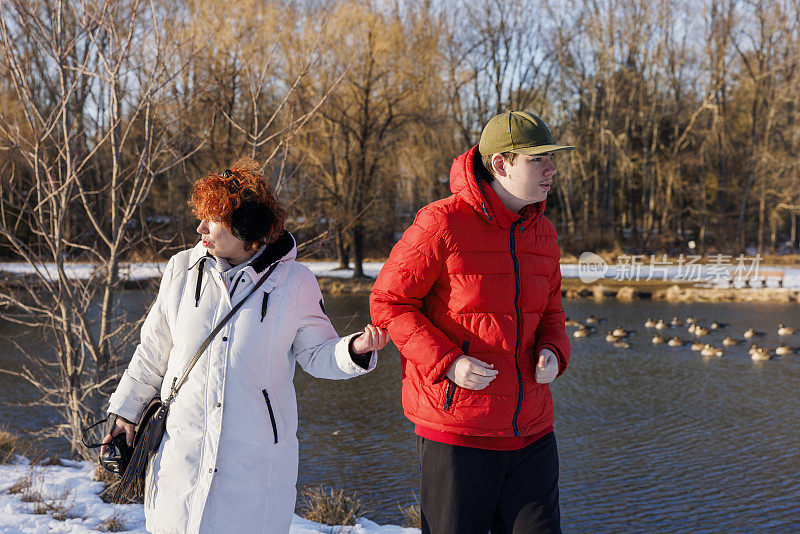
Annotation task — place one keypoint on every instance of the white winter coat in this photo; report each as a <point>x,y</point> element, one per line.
<point>219,467</point>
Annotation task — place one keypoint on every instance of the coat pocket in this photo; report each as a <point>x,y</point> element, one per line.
<point>450,390</point>
<point>271,415</point>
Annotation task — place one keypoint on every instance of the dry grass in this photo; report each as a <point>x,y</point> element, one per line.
<point>29,488</point>
<point>21,486</point>
<point>59,507</point>
<point>330,508</point>
<point>412,515</point>
<point>12,445</point>
<point>112,524</point>
<point>9,446</point>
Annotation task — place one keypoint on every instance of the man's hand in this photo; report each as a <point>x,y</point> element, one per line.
<point>470,373</point>
<point>547,368</point>
<point>373,338</point>
<point>120,425</point>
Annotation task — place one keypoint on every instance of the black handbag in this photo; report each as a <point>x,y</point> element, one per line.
<point>153,422</point>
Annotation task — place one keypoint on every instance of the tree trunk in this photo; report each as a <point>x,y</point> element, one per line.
<point>773,231</point>
<point>357,241</point>
<point>740,225</point>
<point>342,250</point>
<point>762,211</point>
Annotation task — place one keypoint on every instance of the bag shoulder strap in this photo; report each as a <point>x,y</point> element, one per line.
<point>178,382</point>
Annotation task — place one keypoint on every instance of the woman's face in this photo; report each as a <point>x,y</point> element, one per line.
<point>220,242</point>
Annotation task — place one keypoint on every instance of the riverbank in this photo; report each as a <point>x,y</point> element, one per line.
<point>670,281</point>
<point>574,288</point>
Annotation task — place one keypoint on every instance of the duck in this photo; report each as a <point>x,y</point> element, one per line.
<point>620,332</point>
<point>785,330</point>
<point>696,345</point>
<point>657,340</point>
<point>750,333</point>
<point>675,322</point>
<point>661,325</point>
<point>783,350</point>
<point>700,331</point>
<point>622,344</point>
<point>760,354</point>
<point>593,320</point>
<point>649,323</point>
<point>708,350</point>
<point>729,341</point>
<point>692,328</point>
<point>675,342</point>
<point>691,320</point>
<point>571,322</point>
<point>717,324</point>
<point>611,338</point>
<point>583,331</point>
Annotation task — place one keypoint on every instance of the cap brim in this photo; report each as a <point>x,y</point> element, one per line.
<point>542,149</point>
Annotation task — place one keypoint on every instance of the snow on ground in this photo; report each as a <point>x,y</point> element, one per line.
<point>714,275</point>
<point>69,491</point>
<point>330,269</point>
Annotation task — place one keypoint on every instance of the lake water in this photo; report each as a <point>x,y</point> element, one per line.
<point>651,438</point>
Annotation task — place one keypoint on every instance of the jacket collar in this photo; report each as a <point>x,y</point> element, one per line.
<point>466,183</point>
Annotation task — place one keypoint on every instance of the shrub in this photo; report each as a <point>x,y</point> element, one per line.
<point>112,524</point>
<point>21,486</point>
<point>9,445</point>
<point>412,515</point>
<point>330,508</point>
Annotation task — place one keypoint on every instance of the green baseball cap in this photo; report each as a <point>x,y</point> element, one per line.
<point>520,132</point>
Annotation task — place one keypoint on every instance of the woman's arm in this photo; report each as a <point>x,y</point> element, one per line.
<point>141,381</point>
<point>318,348</point>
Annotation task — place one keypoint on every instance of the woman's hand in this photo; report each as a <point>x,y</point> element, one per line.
<point>120,425</point>
<point>373,338</point>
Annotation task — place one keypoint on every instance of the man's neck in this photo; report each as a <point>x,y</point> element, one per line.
<point>509,201</point>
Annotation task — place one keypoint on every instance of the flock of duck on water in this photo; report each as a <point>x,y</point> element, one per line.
<point>618,337</point>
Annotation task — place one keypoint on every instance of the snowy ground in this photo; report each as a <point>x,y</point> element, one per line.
<point>70,503</point>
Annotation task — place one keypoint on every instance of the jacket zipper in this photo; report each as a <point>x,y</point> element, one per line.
<point>519,328</point>
<point>451,386</point>
<point>271,415</point>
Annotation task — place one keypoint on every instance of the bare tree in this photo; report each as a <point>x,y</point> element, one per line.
<point>84,147</point>
<point>385,64</point>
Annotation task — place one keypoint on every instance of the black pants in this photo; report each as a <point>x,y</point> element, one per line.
<point>466,490</point>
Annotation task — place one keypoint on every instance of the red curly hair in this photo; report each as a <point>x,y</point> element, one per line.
<point>217,196</point>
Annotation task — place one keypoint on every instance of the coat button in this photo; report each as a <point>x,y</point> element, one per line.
<point>219,404</point>
<point>224,338</point>
<point>210,469</point>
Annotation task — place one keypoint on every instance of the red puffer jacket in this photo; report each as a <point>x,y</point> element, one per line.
<point>472,277</point>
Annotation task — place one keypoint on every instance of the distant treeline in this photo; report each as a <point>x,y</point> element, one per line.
<point>686,115</point>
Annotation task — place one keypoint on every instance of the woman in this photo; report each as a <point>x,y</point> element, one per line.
<point>228,459</point>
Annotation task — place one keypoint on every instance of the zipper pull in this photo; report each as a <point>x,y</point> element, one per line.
<point>485,211</point>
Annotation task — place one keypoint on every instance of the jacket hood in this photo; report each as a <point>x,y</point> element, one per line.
<point>468,186</point>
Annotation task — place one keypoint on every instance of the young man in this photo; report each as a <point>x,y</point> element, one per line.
<point>471,295</point>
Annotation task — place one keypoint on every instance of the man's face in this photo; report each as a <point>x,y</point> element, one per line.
<point>529,178</point>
